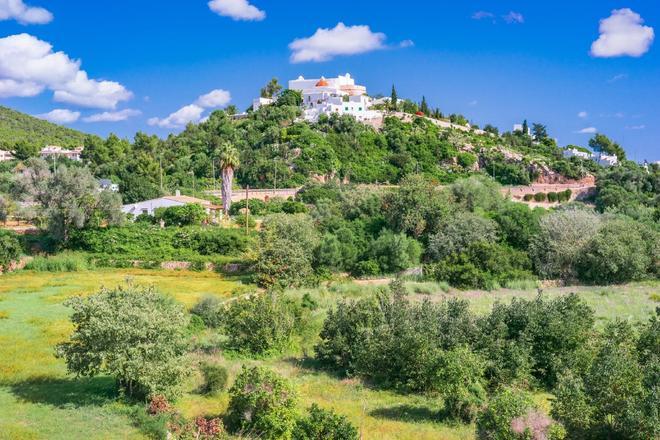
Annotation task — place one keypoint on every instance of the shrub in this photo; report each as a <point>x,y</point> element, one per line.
<point>395,252</point>
<point>495,421</point>
<point>135,335</point>
<point>457,234</point>
<point>257,207</point>
<point>260,323</point>
<point>262,404</point>
<point>212,241</point>
<point>461,382</point>
<point>209,309</point>
<point>366,268</point>
<point>186,215</point>
<point>517,223</point>
<point>10,249</point>
<point>215,378</point>
<point>158,405</point>
<point>528,197</point>
<point>466,160</point>
<point>540,197</point>
<point>477,192</point>
<point>621,251</point>
<point>553,197</point>
<point>242,220</point>
<point>321,424</point>
<point>64,262</point>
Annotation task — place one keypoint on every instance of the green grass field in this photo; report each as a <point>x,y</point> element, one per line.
<point>38,400</point>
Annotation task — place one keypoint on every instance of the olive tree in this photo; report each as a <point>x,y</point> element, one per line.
<point>66,199</point>
<point>135,335</point>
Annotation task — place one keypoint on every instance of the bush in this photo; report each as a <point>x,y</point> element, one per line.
<point>215,378</point>
<point>212,241</point>
<point>620,252</point>
<point>528,197</point>
<point>242,220</point>
<point>553,197</point>
<point>540,197</point>
<point>262,404</point>
<point>261,323</point>
<point>10,249</point>
<point>368,268</point>
<point>209,309</point>
<point>64,262</point>
<point>321,424</point>
<point>461,382</point>
<point>135,335</point>
<point>395,252</point>
<point>458,233</point>
<point>257,207</point>
<point>495,421</point>
<point>186,215</point>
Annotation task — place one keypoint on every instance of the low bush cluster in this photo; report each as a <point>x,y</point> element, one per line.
<point>10,249</point>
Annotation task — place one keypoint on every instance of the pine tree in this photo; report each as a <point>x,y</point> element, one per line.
<point>394,100</point>
<point>424,107</point>
<point>525,127</point>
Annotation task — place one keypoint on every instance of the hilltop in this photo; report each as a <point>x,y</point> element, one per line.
<point>16,127</point>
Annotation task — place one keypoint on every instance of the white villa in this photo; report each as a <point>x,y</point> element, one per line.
<point>55,151</point>
<point>5,156</point>
<point>340,96</point>
<point>603,160</point>
<point>148,207</point>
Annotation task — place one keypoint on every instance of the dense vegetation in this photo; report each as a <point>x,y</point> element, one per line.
<point>16,127</point>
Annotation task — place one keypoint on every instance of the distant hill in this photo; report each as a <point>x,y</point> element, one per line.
<point>16,126</point>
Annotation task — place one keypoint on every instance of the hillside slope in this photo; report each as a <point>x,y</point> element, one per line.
<point>16,126</point>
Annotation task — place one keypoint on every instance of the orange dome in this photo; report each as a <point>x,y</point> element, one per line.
<point>322,83</point>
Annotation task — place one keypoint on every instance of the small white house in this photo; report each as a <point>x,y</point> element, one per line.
<point>56,151</point>
<point>574,152</point>
<point>261,102</point>
<point>107,185</point>
<point>5,156</point>
<point>148,207</point>
<point>606,161</point>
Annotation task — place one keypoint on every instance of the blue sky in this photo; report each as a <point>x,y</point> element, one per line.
<point>494,61</point>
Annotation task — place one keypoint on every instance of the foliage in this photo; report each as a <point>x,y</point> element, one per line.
<point>262,404</point>
<point>134,335</point>
<point>621,251</point>
<point>494,422</point>
<point>215,378</point>
<point>260,323</point>
<point>18,127</point>
<point>186,215</point>
<point>63,262</point>
<point>603,144</point>
<point>395,252</point>
<point>456,234</point>
<point>209,308</point>
<point>561,241</point>
<point>321,424</point>
<point>477,192</point>
<point>10,249</point>
<point>517,223</point>
<point>461,379</point>
<point>68,199</point>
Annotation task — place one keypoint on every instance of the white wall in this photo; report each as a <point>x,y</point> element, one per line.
<point>148,206</point>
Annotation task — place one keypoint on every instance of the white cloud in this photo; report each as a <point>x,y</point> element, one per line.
<point>480,15</point>
<point>119,116</point>
<point>19,11</point>
<point>325,44</point>
<point>583,115</point>
<point>588,130</point>
<point>214,99</point>
<point>473,103</point>
<point>181,117</point>
<point>636,127</point>
<point>623,34</point>
<point>514,17</point>
<point>237,9</point>
<point>60,116</point>
<point>406,44</point>
<point>29,65</point>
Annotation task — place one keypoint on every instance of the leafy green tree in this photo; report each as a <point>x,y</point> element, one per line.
<point>424,107</point>
<point>321,424</point>
<point>457,233</point>
<point>290,98</point>
<point>488,128</point>
<point>10,249</point>
<point>603,144</point>
<point>259,323</point>
<point>561,241</point>
<point>135,335</point>
<point>517,223</point>
<point>494,422</point>
<point>186,215</point>
<point>477,192</point>
<point>261,404</point>
<point>67,199</point>
<point>272,89</point>
<point>621,251</point>
<point>540,132</point>
<point>525,128</point>
<point>461,382</point>
<point>395,252</point>
<point>24,150</point>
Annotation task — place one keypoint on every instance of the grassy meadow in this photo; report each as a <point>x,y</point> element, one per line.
<point>38,400</point>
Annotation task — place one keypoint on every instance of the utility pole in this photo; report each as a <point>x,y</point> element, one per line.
<point>213,171</point>
<point>160,167</point>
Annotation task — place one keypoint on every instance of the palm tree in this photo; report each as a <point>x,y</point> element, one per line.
<point>229,161</point>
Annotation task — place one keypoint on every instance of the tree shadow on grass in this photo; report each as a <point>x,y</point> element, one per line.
<point>311,365</point>
<point>409,413</point>
<point>66,393</point>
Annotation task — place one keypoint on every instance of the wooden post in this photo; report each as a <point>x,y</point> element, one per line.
<point>247,210</point>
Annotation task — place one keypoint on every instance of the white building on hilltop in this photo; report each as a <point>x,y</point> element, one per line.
<point>340,96</point>
<point>55,151</point>
<point>5,156</point>
<point>574,152</point>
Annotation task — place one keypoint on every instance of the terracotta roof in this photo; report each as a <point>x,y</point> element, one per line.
<point>322,83</point>
<point>187,199</point>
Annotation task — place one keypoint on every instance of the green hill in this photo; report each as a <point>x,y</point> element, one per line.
<point>16,126</point>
